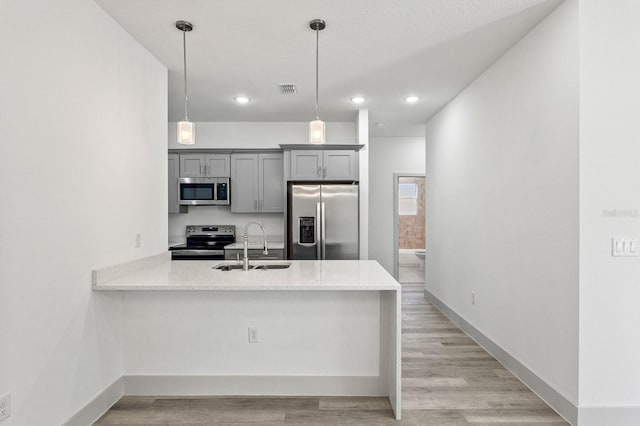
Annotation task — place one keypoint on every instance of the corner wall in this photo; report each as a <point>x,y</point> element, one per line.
<point>386,157</point>
<point>502,202</point>
<point>609,206</point>
<point>83,128</point>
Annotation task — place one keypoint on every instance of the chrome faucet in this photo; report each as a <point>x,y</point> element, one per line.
<point>245,241</point>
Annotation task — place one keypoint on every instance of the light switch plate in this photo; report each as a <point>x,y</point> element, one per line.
<point>625,247</point>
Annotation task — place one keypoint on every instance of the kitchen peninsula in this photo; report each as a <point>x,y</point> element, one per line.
<point>313,328</point>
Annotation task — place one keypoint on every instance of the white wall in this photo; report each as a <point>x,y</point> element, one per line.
<point>262,135</point>
<point>502,202</point>
<point>386,157</point>
<point>83,128</point>
<point>301,334</point>
<point>609,180</point>
<point>362,133</point>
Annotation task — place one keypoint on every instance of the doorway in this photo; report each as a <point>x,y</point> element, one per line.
<point>409,227</point>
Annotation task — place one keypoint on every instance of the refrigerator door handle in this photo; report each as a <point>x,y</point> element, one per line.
<point>319,224</point>
<point>323,234</point>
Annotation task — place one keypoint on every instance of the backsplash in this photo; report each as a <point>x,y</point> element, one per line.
<point>221,215</point>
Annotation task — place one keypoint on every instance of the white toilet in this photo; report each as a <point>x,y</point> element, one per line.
<point>421,254</point>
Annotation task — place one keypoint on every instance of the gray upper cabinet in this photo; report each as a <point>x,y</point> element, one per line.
<point>306,165</point>
<point>257,183</point>
<point>174,172</point>
<point>244,183</point>
<point>205,165</point>
<point>271,172</point>
<point>340,165</point>
<point>324,165</point>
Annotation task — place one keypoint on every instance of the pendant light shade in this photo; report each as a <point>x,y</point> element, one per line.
<point>186,133</point>
<point>186,129</point>
<point>317,133</point>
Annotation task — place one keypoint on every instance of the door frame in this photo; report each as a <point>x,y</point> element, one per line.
<point>396,219</point>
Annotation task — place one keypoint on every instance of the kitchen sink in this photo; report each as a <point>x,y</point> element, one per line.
<point>228,267</point>
<point>261,267</point>
<point>268,266</point>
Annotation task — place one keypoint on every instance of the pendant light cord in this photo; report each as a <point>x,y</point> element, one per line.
<point>317,43</point>
<point>184,57</point>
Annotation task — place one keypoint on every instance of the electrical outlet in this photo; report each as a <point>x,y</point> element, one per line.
<point>253,335</point>
<point>473,297</point>
<point>138,238</point>
<point>5,406</point>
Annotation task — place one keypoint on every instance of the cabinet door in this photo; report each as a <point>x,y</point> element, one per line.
<point>244,183</point>
<point>271,183</point>
<point>306,165</point>
<point>217,165</point>
<point>192,165</point>
<point>173,171</point>
<point>340,165</point>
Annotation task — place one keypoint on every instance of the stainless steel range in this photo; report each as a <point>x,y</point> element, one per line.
<point>204,242</point>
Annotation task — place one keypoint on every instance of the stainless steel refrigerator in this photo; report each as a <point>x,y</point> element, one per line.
<point>323,221</point>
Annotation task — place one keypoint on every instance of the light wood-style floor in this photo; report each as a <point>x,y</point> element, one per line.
<point>447,380</point>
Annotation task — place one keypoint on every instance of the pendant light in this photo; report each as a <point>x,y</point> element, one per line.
<point>186,129</point>
<point>316,127</point>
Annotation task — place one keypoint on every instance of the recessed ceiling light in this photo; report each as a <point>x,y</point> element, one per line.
<point>411,99</point>
<point>358,99</point>
<point>242,99</point>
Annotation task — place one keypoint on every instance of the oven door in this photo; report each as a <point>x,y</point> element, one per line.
<point>197,254</point>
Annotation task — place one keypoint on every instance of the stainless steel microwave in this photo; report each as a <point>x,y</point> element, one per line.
<point>203,191</point>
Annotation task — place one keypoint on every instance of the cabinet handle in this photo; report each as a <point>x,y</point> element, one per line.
<point>202,169</point>
<point>324,172</point>
<point>319,171</point>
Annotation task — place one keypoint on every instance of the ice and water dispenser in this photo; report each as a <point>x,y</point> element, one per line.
<point>307,230</point>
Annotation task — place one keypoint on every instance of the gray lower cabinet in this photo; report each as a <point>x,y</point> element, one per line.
<point>257,183</point>
<point>324,165</point>
<point>205,165</point>
<point>254,254</point>
<point>174,172</point>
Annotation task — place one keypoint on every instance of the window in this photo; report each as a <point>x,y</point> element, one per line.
<point>408,199</point>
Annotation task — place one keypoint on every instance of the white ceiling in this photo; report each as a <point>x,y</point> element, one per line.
<point>382,49</point>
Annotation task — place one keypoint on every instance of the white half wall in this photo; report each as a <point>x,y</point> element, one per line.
<point>83,128</point>
<point>323,333</point>
<point>502,202</point>
<point>609,207</point>
<point>386,157</point>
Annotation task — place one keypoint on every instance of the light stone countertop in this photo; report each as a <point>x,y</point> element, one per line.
<point>160,273</point>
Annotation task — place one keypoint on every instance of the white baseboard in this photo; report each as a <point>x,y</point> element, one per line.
<point>618,416</point>
<point>555,399</point>
<point>98,405</point>
<point>253,385</point>
<point>225,385</point>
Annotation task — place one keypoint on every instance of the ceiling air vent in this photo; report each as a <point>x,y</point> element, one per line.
<point>288,88</point>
